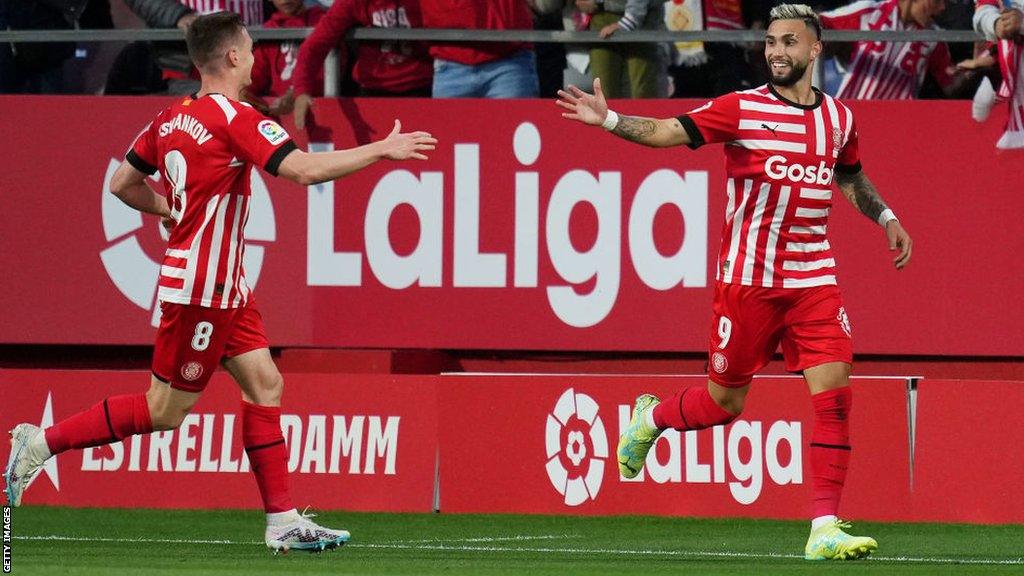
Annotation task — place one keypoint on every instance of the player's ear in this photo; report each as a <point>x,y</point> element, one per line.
<point>815,50</point>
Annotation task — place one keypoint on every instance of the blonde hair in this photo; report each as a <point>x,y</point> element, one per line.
<point>796,12</point>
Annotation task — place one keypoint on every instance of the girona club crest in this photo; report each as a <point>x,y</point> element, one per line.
<point>577,447</point>
<point>135,273</point>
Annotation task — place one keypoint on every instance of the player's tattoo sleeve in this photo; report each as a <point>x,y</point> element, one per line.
<point>649,132</point>
<point>859,190</point>
<point>635,129</point>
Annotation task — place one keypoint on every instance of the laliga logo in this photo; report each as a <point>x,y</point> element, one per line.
<point>777,169</point>
<point>136,275</point>
<point>577,447</point>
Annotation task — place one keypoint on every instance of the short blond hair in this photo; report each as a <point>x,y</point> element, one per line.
<point>796,12</point>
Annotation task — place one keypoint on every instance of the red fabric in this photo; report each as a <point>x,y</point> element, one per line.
<point>830,448</point>
<point>192,340</point>
<point>886,70</point>
<point>268,455</point>
<point>477,15</point>
<point>780,167</point>
<point>1009,62</point>
<point>206,147</point>
<point>723,15</point>
<point>116,418</point>
<point>749,322</point>
<point>691,408</point>
<point>389,66</point>
<point>273,72</point>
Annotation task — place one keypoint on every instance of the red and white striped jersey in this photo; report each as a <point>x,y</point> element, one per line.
<point>251,11</point>
<point>205,149</point>
<point>780,160</point>
<point>886,70</point>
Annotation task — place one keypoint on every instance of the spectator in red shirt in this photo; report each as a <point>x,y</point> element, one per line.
<point>389,68</point>
<point>274,67</point>
<point>482,69</point>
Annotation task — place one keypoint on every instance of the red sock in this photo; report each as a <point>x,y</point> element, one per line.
<point>114,419</point>
<point>692,408</point>
<point>264,444</point>
<point>830,448</point>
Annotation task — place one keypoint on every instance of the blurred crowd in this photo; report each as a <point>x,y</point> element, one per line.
<point>288,74</point>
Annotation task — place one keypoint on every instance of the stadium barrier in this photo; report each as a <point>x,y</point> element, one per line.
<point>475,443</point>
<point>522,232</point>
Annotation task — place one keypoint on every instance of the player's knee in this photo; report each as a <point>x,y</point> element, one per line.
<point>269,389</point>
<point>168,417</point>
<point>732,405</point>
<point>729,398</point>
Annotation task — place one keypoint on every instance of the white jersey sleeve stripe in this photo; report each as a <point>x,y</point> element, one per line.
<point>229,110</point>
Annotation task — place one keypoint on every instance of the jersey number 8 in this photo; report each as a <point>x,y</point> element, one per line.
<point>201,339</point>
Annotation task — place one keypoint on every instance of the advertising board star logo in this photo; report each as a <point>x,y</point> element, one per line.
<point>50,468</point>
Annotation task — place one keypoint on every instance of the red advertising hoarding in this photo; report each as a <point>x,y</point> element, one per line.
<point>355,443</point>
<point>546,444</point>
<point>967,462</point>
<point>522,231</point>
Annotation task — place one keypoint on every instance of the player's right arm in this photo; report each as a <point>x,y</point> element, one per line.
<point>130,186</point>
<point>592,109</point>
<point>314,167</point>
<point>129,182</point>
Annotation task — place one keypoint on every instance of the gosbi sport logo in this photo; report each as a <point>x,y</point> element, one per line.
<point>777,168</point>
<point>577,447</point>
<point>136,273</point>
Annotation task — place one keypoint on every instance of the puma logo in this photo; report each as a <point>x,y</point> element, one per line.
<point>770,129</point>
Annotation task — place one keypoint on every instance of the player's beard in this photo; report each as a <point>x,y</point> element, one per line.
<point>796,72</point>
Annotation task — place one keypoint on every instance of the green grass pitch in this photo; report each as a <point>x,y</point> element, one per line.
<point>70,542</point>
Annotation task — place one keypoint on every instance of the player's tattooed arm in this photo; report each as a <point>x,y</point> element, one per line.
<point>651,131</point>
<point>859,190</point>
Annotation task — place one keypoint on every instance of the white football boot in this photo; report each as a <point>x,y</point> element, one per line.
<point>303,534</point>
<point>25,462</point>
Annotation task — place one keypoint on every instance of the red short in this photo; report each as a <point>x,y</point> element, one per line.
<point>192,340</point>
<point>749,322</point>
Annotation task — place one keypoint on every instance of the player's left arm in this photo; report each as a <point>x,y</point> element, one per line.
<point>130,186</point>
<point>859,190</point>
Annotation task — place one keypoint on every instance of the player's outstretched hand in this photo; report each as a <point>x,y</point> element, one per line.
<point>404,145</point>
<point>587,108</point>
<point>899,240</point>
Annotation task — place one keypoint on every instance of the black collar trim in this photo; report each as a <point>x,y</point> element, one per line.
<point>818,98</point>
